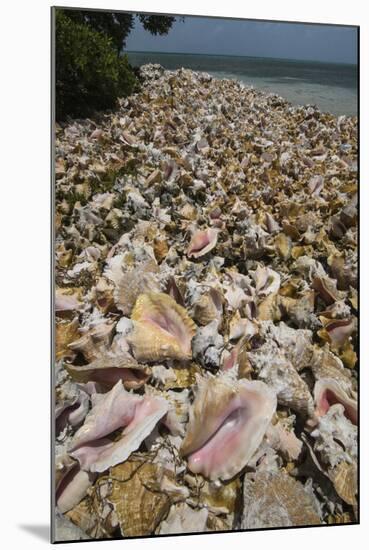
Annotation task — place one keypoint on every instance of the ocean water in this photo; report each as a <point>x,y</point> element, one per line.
<point>330,86</point>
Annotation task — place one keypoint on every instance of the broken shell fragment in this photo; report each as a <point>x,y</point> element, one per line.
<point>184,519</point>
<point>135,494</point>
<point>344,478</point>
<point>276,500</point>
<point>65,333</point>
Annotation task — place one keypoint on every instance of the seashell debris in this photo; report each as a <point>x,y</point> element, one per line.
<point>206,308</point>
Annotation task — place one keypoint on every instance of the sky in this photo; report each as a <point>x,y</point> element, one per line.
<point>251,38</point>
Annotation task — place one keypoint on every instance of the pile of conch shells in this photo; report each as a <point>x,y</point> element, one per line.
<point>206,312</point>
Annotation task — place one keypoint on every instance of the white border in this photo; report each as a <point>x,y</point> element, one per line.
<point>25,201</point>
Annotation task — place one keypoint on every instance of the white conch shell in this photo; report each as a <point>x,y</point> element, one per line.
<point>284,440</point>
<point>92,343</point>
<point>335,437</point>
<point>280,375</point>
<point>183,519</point>
<point>227,423</point>
<point>130,283</point>
<point>137,416</point>
<point>202,242</point>
<point>162,329</point>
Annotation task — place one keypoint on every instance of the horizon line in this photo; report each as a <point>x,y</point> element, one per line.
<point>238,55</point>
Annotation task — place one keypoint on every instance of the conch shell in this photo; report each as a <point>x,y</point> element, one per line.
<point>208,307</point>
<point>92,343</point>
<point>338,330</point>
<point>116,409</point>
<point>108,369</point>
<point>279,373</point>
<point>328,392</point>
<point>133,283</point>
<point>162,329</point>
<point>72,485</point>
<point>325,364</point>
<point>67,300</point>
<point>227,422</point>
<point>202,242</point>
<point>138,503</point>
<point>266,280</point>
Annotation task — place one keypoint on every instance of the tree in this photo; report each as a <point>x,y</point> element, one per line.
<point>90,70</point>
<point>118,25</point>
<point>89,74</point>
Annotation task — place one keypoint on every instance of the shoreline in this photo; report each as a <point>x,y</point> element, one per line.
<point>332,89</point>
<point>284,59</point>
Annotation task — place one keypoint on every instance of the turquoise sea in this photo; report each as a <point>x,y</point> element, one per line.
<point>330,86</point>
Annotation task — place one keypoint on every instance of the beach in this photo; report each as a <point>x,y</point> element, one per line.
<point>206,312</point>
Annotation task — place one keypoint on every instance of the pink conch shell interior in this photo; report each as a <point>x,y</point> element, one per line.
<point>227,423</point>
<point>327,392</point>
<point>117,409</point>
<point>202,242</point>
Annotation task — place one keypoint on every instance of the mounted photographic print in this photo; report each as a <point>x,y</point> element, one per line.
<point>205,275</point>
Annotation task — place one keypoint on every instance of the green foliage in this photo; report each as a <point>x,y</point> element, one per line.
<point>118,25</point>
<point>157,24</point>
<point>89,73</point>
